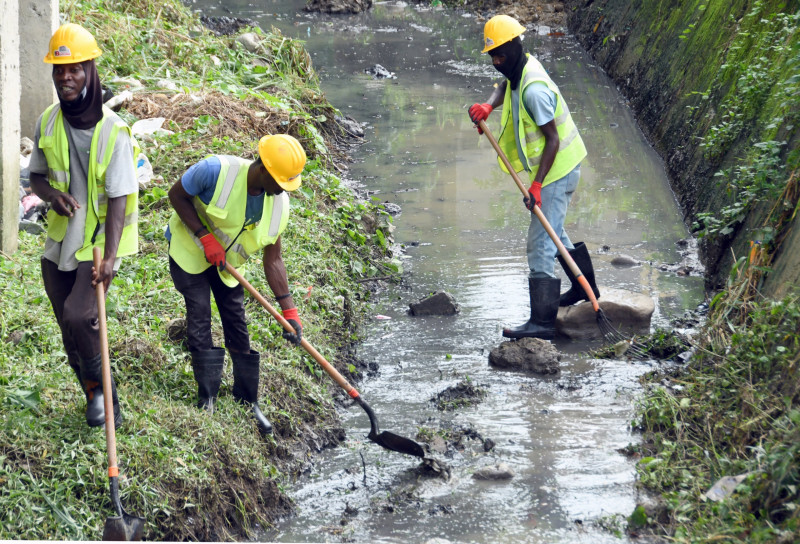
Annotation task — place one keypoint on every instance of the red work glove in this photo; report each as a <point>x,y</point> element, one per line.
<point>215,253</point>
<point>534,196</point>
<point>480,112</point>
<point>291,316</point>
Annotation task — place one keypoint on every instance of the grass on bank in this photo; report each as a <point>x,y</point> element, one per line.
<point>734,411</point>
<point>191,476</point>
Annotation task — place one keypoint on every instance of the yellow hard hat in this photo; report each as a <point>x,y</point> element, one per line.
<point>499,30</point>
<point>72,43</point>
<point>284,158</point>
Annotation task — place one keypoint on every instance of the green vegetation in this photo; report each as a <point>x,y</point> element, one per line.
<point>734,411</point>
<point>190,475</point>
<point>757,86</point>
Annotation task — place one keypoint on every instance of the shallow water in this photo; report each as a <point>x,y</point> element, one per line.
<point>464,226</point>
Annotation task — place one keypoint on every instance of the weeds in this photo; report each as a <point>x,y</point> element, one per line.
<point>191,475</point>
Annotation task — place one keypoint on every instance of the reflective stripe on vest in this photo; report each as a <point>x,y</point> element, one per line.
<point>224,217</point>
<point>571,150</point>
<point>55,146</point>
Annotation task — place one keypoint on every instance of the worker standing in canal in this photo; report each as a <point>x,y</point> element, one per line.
<point>538,135</point>
<point>83,166</point>
<point>226,209</point>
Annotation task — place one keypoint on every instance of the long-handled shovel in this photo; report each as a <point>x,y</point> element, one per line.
<point>610,333</point>
<point>123,526</point>
<point>385,439</point>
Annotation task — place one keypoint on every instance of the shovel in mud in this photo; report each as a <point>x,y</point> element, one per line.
<point>385,439</point>
<point>123,526</point>
<point>609,332</point>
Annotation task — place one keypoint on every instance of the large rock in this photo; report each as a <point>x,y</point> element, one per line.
<point>528,354</point>
<point>439,303</point>
<point>628,312</point>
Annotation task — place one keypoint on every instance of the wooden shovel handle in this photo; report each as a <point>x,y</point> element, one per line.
<point>108,401</point>
<point>338,378</point>
<point>543,220</point>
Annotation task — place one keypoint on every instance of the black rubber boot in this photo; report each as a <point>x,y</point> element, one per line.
<point>544,309</point>
<point>576,293</point>
<point>92,381</point>
<point>245,385</point>
<point>207,366</point>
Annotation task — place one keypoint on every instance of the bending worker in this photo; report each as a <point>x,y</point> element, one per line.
<point>537,135</point>
<point>226,209</point>
<point>83,166</point>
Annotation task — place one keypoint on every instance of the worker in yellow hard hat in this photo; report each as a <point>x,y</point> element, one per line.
<point>538,135</point>
<point>83,166</point>
<point>226,209</point>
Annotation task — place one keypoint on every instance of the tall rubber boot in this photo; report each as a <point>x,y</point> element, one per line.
<point>544,309</point>
<point>576,293</point>
<point>245,385</point>
<point>207,366</point>
<point>92,378</point>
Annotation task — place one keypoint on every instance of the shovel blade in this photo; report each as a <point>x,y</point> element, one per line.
<point>398,443</point>
<point>124,528</point>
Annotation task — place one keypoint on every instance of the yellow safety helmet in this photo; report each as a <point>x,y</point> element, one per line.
<point>499,30</point>
<point>72,43</point>
<point>284,159</point>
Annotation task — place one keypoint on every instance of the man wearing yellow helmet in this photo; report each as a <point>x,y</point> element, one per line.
<point>83,166</point>
<point>539,136</point>
<point>226,209</point>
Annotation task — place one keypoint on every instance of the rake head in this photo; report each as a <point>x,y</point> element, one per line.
<point>612,335</point>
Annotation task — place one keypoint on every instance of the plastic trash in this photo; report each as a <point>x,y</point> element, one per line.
<point>724,487</point>
<point>144,170</point>
<point>147,126</point>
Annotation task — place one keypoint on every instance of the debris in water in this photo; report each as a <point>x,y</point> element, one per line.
<point>435,468</point>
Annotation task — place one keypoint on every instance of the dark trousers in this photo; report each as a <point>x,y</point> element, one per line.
<point>196,290</point>
<point>74,302</point>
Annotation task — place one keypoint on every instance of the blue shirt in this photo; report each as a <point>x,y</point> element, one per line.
<point>200,180</point>
<point>540,102</point>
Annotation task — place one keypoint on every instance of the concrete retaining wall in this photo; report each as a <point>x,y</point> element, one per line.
<point>25,30</point>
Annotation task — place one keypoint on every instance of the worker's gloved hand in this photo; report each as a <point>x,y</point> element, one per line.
<point>480,112</point>
<point>215,253</point>
<point>534,196</point>
<point>294,320</point>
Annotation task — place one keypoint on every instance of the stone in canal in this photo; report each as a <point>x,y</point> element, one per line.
<point>500,471</point>
<point>628,312</point>
<point>528,354</point>
<point>439,303</point>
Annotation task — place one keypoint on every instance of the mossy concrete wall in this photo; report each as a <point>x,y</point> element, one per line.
<point>673,60</point>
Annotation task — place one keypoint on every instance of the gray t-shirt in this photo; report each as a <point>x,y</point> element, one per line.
<point>120,181</point>
<point>540,102</point>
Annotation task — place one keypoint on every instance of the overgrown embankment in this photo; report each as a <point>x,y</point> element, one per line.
<point>715,87</point>
<point>191,475</point>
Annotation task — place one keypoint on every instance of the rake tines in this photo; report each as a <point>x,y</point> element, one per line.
<point>612,335</point>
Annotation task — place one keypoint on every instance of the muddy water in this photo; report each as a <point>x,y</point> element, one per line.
<point>463,227</point>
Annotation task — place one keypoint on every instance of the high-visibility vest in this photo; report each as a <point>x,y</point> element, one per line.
<point>224,216</point>
<point>571,150</point>
<point>55,146</point>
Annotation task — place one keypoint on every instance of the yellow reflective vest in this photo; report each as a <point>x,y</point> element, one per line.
<point>55,146</point>
<point>571,150</point>
<point>224,216</point>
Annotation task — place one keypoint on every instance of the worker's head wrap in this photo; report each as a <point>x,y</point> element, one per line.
<point>515,60</point>
<point>86,110</point>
